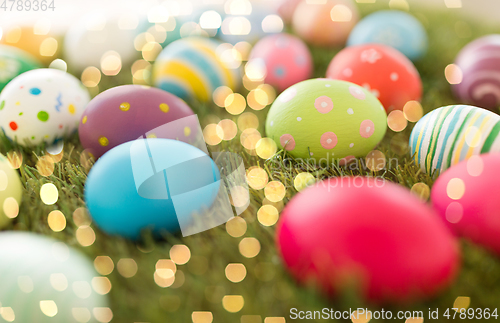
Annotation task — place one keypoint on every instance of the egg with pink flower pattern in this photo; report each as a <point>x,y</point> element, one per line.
<point>286,59</point>
<point>326,121</point>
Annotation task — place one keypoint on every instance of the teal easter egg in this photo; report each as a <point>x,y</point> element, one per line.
<point>192,68</point>
<point>394,28</point>
<point>43,280</point>
<point>155,184</point>
<point>324,120</point>
<point>14,61</point>
<point>448,135</point>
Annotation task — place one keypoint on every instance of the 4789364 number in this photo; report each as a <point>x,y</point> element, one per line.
<point>27,5</point>
<point>471,313</point>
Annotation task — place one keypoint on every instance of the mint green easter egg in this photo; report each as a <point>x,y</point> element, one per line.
<point>10,192</point>
<point>14,61</point>
<point>324,121</point>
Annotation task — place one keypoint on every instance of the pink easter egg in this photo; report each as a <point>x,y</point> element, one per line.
<point>479,65</point>
<point>325,23</point>
<point>466,197</point>
<point>286,8</point>
<point>286,58</point>
<point>372,232</point>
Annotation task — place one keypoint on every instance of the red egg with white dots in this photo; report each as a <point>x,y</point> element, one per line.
<point>285,58</point>
<point>373,233</point>
<point>466,197</point>
<point>383,70</point>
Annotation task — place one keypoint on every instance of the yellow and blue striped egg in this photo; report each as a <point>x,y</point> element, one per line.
<point>192,68</point>
<point>448,135</point>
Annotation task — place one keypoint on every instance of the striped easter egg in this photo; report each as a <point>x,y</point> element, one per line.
<point>450,134</point>
<point>192,68</point>
<point>479,63</point>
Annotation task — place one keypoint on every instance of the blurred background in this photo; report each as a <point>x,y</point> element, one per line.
<point>68,10</point>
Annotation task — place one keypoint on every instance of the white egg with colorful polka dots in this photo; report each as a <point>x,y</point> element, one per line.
<point>42,105</point>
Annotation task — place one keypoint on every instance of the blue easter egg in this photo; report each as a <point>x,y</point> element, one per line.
<point>155,184</point>
<point>393,28</point>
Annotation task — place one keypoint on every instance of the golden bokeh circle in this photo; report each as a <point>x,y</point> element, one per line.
<point>397,121</point>
<point>303,180</point>
<point>45,166</point>
<point>248,120</point>
<point>375,160</point>
<point>275,191</point>
<point>421,190</point>
<point>249,247</point>
<point>56,221</point>
<point>227,129</point>
<point>235,103</point>
<point>220,95</point>
<point>49,193</point>
<point>236,227</point>
<point>413,111</point>
<point>249,138</point>
<point>210,135</point>
<point>268,215</point>
<point>15,159</point>
<point>257,177</point>
<point>266,148</point>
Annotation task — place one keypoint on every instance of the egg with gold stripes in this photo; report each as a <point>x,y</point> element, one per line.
<point>448,135</point>
<point>195,67</point>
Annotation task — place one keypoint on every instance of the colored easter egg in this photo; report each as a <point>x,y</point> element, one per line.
<point>14,61</point>
<point>101,40</point>
<point>10,192</point>
<point>393,28</point>
<point>249,23</point>
<point>127,112</point>
<point>448,135</point>
<point>374,233</point>
<point>128,191</point>
<point>192,68</point>
<point>323,120</point>
<point>43,280</point>
<point>286,58</point>
<point>325,23</point>
<point>479,64</point>
<point>37,41</point>
<point>42,105</point>
<point>382,70</point>
<point>286,8</point>
<point>466,197</point>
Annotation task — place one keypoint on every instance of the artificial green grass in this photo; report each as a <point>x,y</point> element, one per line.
<point>267,289</point>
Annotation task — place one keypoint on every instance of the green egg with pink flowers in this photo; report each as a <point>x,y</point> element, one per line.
<point>326,121</point>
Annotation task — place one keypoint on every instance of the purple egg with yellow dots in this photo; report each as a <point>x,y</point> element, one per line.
<point>479,63</point>
<point>128,112</point>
